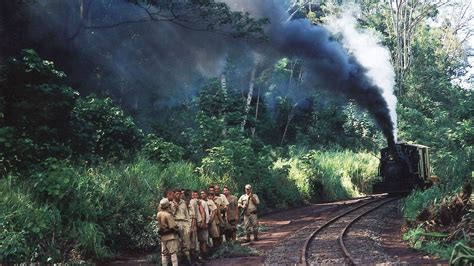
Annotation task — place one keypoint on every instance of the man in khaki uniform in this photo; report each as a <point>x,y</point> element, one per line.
<point>203,232</point>
<point>222,204</point>
<point>249,202</point>
<point>181,216</point>
<point>214,221</point>
<point>168,231</point>
<point>218,194</point>
<point>196,219</point>
<point>232,215</point>
<point>168,195</point>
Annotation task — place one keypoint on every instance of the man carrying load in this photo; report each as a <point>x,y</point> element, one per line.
<point>249,202</point>
<point>168,232</point>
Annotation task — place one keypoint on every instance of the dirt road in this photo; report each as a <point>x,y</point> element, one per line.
<point>284,224</point>
<point>281,225</point>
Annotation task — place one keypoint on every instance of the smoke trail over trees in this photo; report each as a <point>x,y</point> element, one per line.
<point>148,60</point>
<point>328,63</point>
<point>364,44</point>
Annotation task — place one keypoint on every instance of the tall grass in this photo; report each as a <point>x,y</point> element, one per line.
<point>418,200</point>
<point>331,175</point>
<point>21,220</point>
<point>184,175</point>
<point>98,211</point>
<point>95,212</point>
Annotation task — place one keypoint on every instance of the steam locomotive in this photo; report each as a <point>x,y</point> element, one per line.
<point>403,167</point>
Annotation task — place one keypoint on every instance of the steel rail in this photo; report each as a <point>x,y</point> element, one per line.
<point>304,253</point>
<point>346,229</point>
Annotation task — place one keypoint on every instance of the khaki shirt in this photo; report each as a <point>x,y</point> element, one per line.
<point>194,210</point>
<point>206,209</point>
<point>244,201</point>
<point>166,221</point>
<point>233,208</point>
<point>219,202</point>
<point>213,207</point>
<point>181,211</point>
<point>224,199</point>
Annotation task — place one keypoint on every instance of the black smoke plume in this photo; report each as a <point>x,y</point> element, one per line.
<point>328,64</point>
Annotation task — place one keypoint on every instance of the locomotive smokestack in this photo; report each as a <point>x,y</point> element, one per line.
<point>391,144</point>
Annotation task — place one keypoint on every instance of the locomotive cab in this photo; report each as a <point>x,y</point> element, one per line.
<point>403,167</point>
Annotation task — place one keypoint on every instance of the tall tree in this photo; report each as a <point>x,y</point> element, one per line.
<point>406,16</point>
<point>249,96</point>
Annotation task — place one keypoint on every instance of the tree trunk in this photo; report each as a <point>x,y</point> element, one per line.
<point>224,90</point>
<point>406,16</point>
<point>290,117</point>
<point>249,96</point>
<point>256,112</point>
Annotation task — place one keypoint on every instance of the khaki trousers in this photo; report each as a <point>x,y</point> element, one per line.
<point>184,231</point>
<point>169,247</point>
<point>250,223</point>
<point>193,239</point>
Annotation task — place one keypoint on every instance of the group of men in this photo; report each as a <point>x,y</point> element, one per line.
<point>192,221</point>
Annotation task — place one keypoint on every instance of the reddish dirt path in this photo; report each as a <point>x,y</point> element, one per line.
<point>282,224</point>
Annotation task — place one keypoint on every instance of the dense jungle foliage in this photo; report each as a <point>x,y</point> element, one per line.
<point>81,170</point>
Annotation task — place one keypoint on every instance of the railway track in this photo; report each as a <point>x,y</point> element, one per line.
<point>326,243</point>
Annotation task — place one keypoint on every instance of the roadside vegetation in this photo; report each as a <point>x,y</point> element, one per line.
<point>87,187</point>
<point>81,172</point>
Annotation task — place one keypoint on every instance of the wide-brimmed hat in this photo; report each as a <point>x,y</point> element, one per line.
<point>165,203</point>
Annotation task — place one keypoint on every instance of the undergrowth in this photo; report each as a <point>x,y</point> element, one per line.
<point>95,211</point>
<point>230,250</point>
<point>430,242</point>
<point>330,175</point>
<point>439,222</point>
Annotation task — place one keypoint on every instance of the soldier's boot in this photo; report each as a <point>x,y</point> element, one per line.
<point>174,260</point>
<point>255,235</point>
<point>164,260</point>
<point>192,253</point>
<point>195,256</point>
<point>187,257</point>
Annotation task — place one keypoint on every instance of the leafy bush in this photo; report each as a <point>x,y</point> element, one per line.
<point>432,242</point>
<point>420,199</point>
<point>233,158</point>
<point>235,163</point>
<point>16,154</point>
<point>438,220</point>
<point>56,183</point>
<point>158,149</point>
<point>36,100</point>
<point>35,111</point>
<point>102,130</point>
